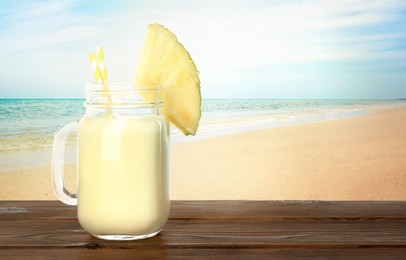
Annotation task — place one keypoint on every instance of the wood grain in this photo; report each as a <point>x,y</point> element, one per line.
<point>217,229</point>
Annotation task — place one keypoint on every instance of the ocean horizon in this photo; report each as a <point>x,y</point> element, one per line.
<point>27,126</point>
<point>30,123</point>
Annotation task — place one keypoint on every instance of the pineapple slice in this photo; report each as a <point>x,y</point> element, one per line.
<point>166,62</point>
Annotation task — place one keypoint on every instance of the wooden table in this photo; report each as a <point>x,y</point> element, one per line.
<point>216,230</point>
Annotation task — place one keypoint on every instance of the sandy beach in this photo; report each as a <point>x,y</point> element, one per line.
<point>357,158</point>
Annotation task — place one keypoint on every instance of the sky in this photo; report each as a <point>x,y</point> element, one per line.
<point>242,49</point>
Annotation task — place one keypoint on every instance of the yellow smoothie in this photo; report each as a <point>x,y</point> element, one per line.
<point>123,185</point>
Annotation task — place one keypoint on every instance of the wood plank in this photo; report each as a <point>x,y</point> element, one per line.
<point>217,229</point>
<point>281,210</point>
<point>265,210</point>
<point>217,234</point>
<point>40,210</point>
<point>164,253</point>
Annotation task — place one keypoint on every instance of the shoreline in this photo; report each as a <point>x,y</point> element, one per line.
<point>31,130</point>
<point>355,158</point>
<point>266,124</point>
<point>23,159</point>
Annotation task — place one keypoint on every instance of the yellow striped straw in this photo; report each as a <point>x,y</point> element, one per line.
<point>96,71</point>
<point>100,74</point>
<point>100,63</point>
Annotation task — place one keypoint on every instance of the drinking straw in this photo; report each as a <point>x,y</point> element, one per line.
<point>96,72</point>
<point>100,64</point>
<point>100,73</point>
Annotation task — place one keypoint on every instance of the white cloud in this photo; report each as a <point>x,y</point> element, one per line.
<point>228,40</point>
<point>230,37</point>
<point>24,41</point>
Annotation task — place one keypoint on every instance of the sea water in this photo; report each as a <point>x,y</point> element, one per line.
<point>27,126</point>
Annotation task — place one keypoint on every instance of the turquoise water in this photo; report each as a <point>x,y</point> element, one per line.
<point>31,123</point>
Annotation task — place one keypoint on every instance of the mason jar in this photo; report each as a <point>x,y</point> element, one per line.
<point>122,162</point>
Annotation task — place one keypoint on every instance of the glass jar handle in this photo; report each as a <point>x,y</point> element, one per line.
<point>58,161</point>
